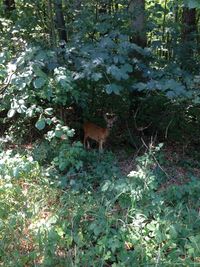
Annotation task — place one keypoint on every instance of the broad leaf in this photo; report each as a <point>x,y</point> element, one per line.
<point>39,82</point>
<point>11,113</point>
<point>113,88</point>
<point>48,111</point>
<point>96,76</point>
<point>40,124</point>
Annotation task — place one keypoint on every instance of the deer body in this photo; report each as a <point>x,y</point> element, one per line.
<point>97,133</point>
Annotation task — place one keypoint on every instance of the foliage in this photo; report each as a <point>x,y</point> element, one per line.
<point>38,86</point>
<point>61,205</point>
<point>119,222</point>
<point>100,63</point>
<point>16,166</point>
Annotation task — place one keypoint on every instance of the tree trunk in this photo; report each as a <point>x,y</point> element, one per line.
<point>189,24</point>
<point>51,24</point>
<point>60,21</point>
<point>189,30</point>
<point>138,35</point>
<point>138,27</point>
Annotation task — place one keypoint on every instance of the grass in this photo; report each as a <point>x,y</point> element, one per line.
<point>100,218</point>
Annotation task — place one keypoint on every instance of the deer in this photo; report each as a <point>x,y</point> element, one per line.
<point>98,133</point>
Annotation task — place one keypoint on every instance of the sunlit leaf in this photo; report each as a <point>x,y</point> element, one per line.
<point>11,113</point>
<point>48,111</point>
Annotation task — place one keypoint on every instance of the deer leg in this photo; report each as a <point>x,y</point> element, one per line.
<point>88,144</point>
<point>101,146</point>
<point>84,141</point>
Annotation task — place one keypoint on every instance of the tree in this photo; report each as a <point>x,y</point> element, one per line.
<point>60,21</point>
<point>51,24</point>
<point>138,27</point>
<point>189,30</point>
<point>189,23</point>
<point>138,36</point>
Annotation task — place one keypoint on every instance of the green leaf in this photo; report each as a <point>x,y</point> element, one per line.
<point>140,86</point>
<point>114,71</point>
<point>16,172</point>
<point>2,57</point>
<point>40,124</point>
<point>127,68</point>
<point>63,82</point>
<point>106,186</point>
<point>39,82</point>
<point>38,72</point>
<point>22,109</point>
<point>58,133</point>
<point>11,113</point>
<point>48,111</point>
<point>48,121</point>
<point>30,112</point>
<point>113,88</point>
<point>171,94</point>
<point>96,76</point>
<point>172,231</point>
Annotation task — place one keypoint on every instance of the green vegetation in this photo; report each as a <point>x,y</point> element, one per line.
<point>64,63</point>
<point>99,218</point>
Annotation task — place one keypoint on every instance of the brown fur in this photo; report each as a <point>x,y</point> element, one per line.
<point>97,133</point>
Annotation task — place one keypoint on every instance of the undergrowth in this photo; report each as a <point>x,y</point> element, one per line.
<point>85,213</point>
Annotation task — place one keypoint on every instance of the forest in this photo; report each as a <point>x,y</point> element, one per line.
<point>100,133</point>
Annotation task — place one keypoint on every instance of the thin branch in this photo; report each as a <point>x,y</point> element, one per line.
<point>155,159</point>
<point>167,128</point>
